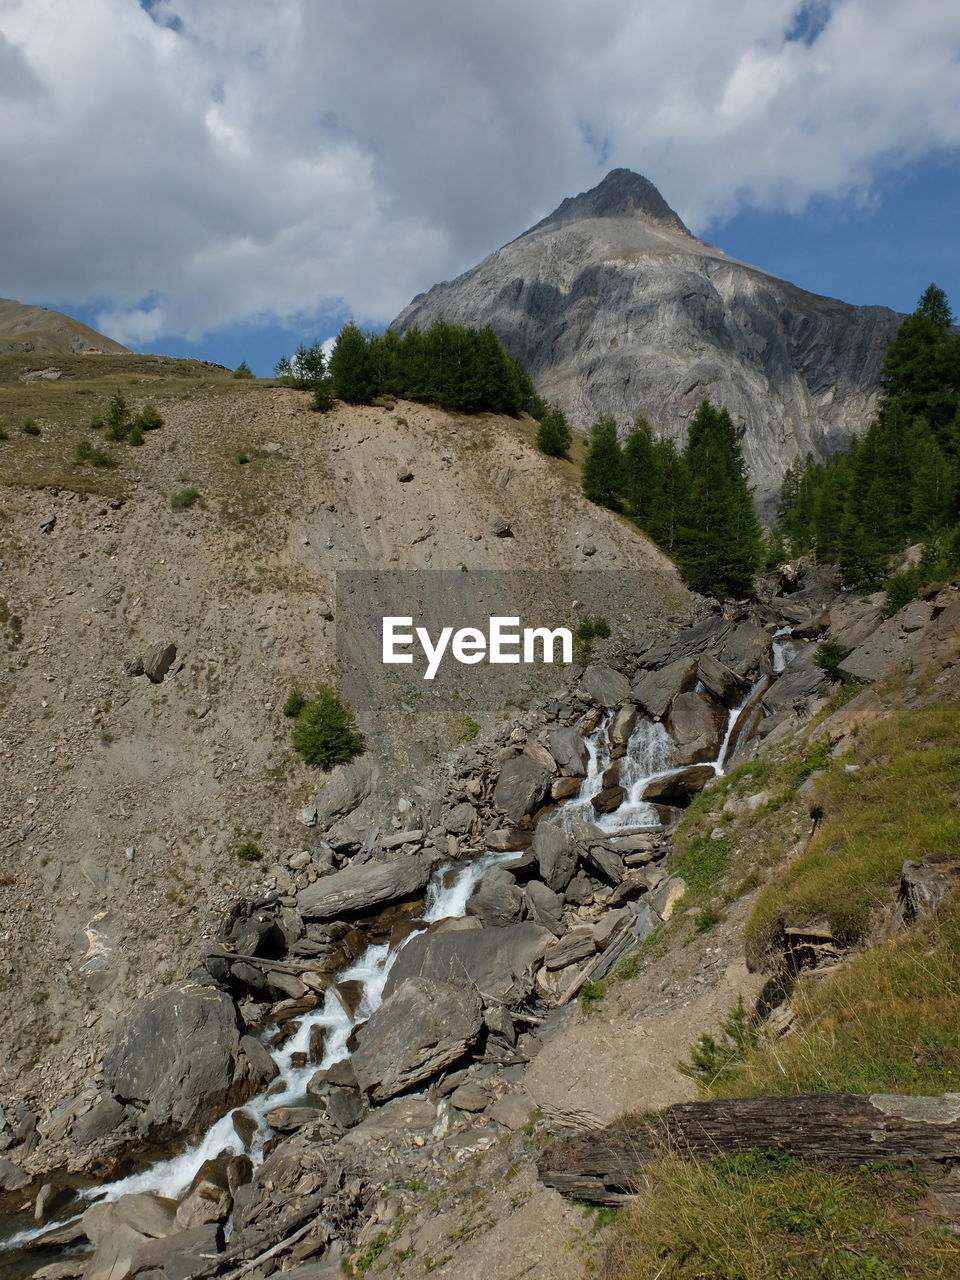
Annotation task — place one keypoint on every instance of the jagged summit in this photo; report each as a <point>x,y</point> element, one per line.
<point>621,194</point>
<point>615,308</point>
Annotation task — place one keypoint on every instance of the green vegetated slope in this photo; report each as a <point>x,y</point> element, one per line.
<point>885,1019</point>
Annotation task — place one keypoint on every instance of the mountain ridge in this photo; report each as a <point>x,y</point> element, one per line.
<point>614,307</point>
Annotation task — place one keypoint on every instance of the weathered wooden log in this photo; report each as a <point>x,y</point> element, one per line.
<point>605,1165</point>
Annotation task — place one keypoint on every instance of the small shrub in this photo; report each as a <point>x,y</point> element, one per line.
<point>249,851</point>
<point>591,993</point>
<point>86,451</point>
<point>185,499</point>
<point>148,419</point>
<point>828,656</point>
<point>117,417</point>
<point>325,732</point>
<point>710,1058</point>
<point>4,433</point>
<point>554,436</point>
<point>243,370</point>
<point>243,458</point>
<point>323,397</point>
<point>83,451</point>
<point>296,701</point>
<point>136,436</point>
<point>588,630</point>
<point>96,422</point>
<point>30,428</point>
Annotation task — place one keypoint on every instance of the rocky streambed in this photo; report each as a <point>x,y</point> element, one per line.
<point>402,971</point>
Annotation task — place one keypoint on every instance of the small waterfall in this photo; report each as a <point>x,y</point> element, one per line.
<point>783,650</point>
<point>649,754</point>
<point>579,806</point>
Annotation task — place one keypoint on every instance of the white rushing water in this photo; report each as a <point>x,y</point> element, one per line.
<point>649,756</point>
<point>783,650</point>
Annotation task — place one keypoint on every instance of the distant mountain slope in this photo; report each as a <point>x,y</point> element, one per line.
<point>26,328</point>
<point>615,307</point>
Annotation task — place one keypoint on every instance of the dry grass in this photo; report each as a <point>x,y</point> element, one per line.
<point>773,1217</point>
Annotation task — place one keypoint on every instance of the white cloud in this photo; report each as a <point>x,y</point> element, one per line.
<point>218,160</point>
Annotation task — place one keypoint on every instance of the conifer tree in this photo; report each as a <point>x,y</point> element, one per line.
<point>554,436</point>
<point>639,477</point>
<point>351,367</point>
<point>602,477</point>
<point>719,548</point>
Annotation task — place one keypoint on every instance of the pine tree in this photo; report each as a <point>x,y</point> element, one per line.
<point>639,476</point>
<point>554,437</point>
<point>668,497</point>
<point>602,476</point>
<point>351,367</point>
<point>719,548</point>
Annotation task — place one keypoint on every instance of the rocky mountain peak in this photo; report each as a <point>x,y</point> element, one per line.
<point>621,194</point>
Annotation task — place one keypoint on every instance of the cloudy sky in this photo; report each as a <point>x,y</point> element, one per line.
<point>220,177</point>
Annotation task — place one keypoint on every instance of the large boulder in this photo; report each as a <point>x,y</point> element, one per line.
<point>497,962</point>
<point>556,853</point>
<point>569,751</point>
<point>422,1027</point>
<point>604,685</point>
<point>545,906</point>
<point>747,650</point>
<point>522,787</point>
<point>358,889</point>
<point>656,690</point>
<point>697,724</point>
<point>797,683</point>
<point>889,648</point>
<point>677,788</point>
<point>687,643</point>
<point>346,788</point>
<point>497,900</point>
<point>178,1061</point>
<point>719,680</point>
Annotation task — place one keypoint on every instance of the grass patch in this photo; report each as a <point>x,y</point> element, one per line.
<point>591,993</point>
<point>903,802</point>
<point>768,1216</point>
<point>703,862</point>
<point>185,499</point>
<point>887,1021</point>
<point>249,851</point>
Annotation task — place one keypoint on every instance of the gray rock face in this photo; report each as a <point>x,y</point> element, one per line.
<point>522,787</point>
<point>556,854</point>
<point>424,1026</point>
<point>677,788</point>
<point>697,725</point>
<point>497,961</point>
<point>569,751</point>
<point>615,271</point>
<point>177,1061</point>
<point>497,899</point>
<point>657,689</point>
<point>604,685</point>
<point>356,889</point>
<point>158,660</point>
<point>345,789</point>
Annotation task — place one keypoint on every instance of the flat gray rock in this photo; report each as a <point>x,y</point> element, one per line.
<point>355,889</point>
<point>496,962</point>
<point>656,689</point>
<point>424,1025</point>
<point>522,787</point>
<point>569,751</point>
<point>345,789</point>
<point>605,686</point>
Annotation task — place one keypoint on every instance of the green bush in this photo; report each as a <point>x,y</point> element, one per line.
<point>243,370</point>
<point>296,701</point>
<point>118,417</point>
<point>148,419</point>
<point>184,499</point>
<point>588,630</point>
<point>325,732</point>
<point>136,436</point>
<point>30,428</point>
<point>554,437</point>
<point>96,422</point>
<point>86,451</point>
<point>828,656</point>
<point>249,851</point>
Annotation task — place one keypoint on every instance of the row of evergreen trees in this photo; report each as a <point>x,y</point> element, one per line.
<point>467,370</point>
<point>899,483</point>
<point>695,502</point>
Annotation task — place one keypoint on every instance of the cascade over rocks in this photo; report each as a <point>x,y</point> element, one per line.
<point>497,962</point>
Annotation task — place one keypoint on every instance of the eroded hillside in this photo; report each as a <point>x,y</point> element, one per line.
<point>123,801</point>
